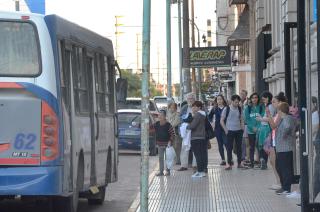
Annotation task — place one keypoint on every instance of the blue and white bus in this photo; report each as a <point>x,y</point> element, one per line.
<point>58,125</point>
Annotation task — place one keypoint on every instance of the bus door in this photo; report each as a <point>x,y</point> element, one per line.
<point>104,114</point>
<point>90,68</point>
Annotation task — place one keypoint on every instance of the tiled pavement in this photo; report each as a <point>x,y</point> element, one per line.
<point>221,191</point>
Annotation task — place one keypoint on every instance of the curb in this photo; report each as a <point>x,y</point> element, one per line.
<point>136,202</point>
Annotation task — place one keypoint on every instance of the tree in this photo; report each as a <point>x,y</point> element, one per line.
<point>134,85</point>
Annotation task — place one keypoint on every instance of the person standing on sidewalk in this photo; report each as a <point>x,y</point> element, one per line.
<point>245,141</point>
<point>232,124</point>
<point>274,122</point>
<point>251,112</point>
<point>285,142</point>
<point>164,137</point>
<point>264,128</point>
<point>198,142</point>
<point>214,118</point>
<point>173,118</point>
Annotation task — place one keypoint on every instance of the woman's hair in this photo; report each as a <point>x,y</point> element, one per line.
<point>254,94</point>
<point>223,100</point>
<point>281,97</point>
<point>267,94</point>
<point>197,104</point>
<point>284,107</point>
<point>174,104</point>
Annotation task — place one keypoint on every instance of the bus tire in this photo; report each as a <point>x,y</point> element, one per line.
<point>70,203</point>
<point>98,199</point>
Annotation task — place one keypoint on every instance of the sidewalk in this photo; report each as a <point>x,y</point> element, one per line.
<point>221,191</point>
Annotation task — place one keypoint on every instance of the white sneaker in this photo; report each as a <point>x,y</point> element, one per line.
<point>197,174</point>
<point>203,174</point>
<point>294,195</point>
<point>275,187</point>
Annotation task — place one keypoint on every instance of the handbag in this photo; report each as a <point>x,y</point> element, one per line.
<point>210,134</point>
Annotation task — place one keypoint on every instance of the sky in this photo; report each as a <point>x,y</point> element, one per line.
<point>99,16</point>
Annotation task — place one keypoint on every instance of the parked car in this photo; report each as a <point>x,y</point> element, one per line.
<point>162,101</point>
<point>135,103</point>
<point>129,128</point>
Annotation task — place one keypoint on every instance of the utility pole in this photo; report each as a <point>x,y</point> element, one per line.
<point>138,63</point>
<point>168,21</point>
<point>180,51</point>
<point>117,33</point>
<point>17,4</point>
<point>144,186</point>
<point>186,46</point>
<point>193,40</point>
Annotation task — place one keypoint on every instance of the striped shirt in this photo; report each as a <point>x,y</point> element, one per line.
<point>164,133</point>
<point>285,134</point>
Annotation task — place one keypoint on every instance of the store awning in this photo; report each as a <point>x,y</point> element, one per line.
<point>242,31</point>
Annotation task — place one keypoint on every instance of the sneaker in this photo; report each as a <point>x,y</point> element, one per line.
<point>197,174</point>
<point>202,174</point>
<point>275,187</point>
<point>294,195</point>
<point>223,163</point>
<point>240,166</point>
<point>232,163</point>
<point>284,193</point>
<point>182,169</point>
<point>228,168</point>
<point>167,173</point>
<point>159,174</point>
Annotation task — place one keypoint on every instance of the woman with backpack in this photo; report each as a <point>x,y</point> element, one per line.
<point>251,112</point>
<point>214,118</point>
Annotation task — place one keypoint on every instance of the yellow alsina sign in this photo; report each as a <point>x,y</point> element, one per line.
<point>210,57</point>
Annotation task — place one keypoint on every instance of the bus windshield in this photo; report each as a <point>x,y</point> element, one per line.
<point>19,52</point>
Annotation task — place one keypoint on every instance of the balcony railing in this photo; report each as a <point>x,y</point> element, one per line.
<point>238,2</point>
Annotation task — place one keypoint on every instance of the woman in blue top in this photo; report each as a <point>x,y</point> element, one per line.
<point>264,128</point>
<point>214,118</point>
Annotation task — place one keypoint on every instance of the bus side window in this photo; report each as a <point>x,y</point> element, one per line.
<point>81,80</point>
<point>65,67</point>
<point>100,86</point>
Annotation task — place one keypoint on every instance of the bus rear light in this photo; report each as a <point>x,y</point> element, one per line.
<point>49,141</point>
<point>49,133</point>
<point>48,119</point>
<point>48,152</point>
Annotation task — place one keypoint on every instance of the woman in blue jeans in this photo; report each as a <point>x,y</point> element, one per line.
<point>214,118</point>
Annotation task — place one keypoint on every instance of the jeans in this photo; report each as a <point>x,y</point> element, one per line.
<point>252,143</point>
<point>184,154</point>
<point>177,147</point>
<point>284,166</point>
<point>234,136</point>
<point>221,143</point>
<point>198,147</point>
<point>162,153</point>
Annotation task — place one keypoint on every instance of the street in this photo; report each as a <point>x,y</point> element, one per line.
<point>119,195</point>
